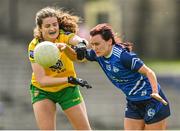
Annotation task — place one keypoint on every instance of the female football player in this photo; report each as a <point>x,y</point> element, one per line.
<point>147,107</point>
<point>58,83</point>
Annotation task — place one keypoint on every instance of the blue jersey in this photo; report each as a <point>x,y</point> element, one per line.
<point>122,70</point>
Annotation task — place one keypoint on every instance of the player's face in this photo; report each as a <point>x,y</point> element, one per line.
<point>50,29</point>
<point>100,46</point>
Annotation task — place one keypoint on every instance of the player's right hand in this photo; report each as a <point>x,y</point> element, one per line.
<point>81,50</point>
<point>79,81</point>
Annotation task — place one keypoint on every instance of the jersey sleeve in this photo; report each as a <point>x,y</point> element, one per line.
<point>31,50</point>
<point>131,61</point>
<point>91,56</point>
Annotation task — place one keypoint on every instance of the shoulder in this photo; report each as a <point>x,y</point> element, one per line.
<point>117,50</point>
<point>123,51</point>
<point>31,47</point>
<point>125,55</point>
<point>65,36</point>
<point>33,43</point>
<point>62,32</point>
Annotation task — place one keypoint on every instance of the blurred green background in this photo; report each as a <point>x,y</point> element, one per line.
<point>152,25</point>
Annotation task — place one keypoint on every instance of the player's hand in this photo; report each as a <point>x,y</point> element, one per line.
<point>159,98</point>
<point>61,46</point>
<point>81,50</point>
<point>79,81</point>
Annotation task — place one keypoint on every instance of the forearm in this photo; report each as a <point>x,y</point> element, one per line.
<point>151,77</point>
<point>51,81</point>
<point>70,53</point>
<point>153,81</point>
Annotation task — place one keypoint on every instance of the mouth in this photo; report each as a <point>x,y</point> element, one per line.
<point>97,53</point>
<point>52,32</point>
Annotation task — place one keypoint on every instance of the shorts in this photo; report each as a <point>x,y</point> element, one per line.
<point>150,110</point>
<point>66,98</point>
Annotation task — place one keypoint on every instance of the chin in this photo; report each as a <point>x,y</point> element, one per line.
<point>99,54</point>
<point>52,38</point>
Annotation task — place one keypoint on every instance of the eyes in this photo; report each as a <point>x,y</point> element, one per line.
<point>55,24</point>
<point>95,44</point>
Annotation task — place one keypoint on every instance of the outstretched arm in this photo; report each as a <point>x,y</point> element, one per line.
<point>45,80</point>
<point>68,51</point>
<point>153,81</point>
<point>74,44</point>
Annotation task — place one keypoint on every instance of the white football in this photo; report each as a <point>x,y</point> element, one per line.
<point>46,54</point>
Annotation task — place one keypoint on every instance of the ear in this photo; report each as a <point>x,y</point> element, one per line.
<point>110,41</point>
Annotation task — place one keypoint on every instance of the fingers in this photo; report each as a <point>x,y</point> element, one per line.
<point>84,83</point>
<point>159,98</point>
<point>79,81</point>
<point>61,46</point>
<point>87,85</point>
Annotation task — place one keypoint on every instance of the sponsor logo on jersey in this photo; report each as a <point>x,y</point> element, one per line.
<point>58,67</point>
<point>108,67</point>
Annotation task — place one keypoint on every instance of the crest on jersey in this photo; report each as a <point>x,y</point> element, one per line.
<point>115,69</point>
<point>151,112</point>
<point>144,92</point>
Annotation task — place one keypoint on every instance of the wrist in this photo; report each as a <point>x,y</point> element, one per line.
<point>70,79</point>
<point>67,79</point>
<point>154,91</point>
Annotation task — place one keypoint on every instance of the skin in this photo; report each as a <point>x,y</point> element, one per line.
<point>45,110</point>
<point>104,48</point>
<point>50,29</point>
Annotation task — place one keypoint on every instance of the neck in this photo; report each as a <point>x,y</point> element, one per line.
<point>110,51</point>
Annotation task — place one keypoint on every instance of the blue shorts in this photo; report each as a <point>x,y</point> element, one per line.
<point>150,110</point>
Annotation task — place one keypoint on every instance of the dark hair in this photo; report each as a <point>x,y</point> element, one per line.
<point>106,32</point>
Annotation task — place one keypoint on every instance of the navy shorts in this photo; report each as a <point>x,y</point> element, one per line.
<point>150,110</point>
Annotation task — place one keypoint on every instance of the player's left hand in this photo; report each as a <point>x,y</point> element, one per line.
<point>78,81</point>
<point>159,98</point>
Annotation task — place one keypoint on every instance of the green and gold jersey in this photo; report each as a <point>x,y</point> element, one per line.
<point>63,68</point>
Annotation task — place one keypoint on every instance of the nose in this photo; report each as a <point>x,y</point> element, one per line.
<point>51,28</point>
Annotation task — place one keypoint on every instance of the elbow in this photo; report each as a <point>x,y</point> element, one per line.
<point>150,73</point>
<point>42,84</point>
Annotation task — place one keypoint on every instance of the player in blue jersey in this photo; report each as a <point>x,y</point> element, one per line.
<point>147,106</point>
